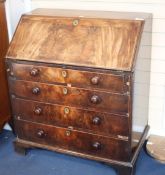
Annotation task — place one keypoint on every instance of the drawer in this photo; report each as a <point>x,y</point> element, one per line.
<point>64,116</point>
<point>76,78</point>
<point>103,101</point>
<point>65,138</point>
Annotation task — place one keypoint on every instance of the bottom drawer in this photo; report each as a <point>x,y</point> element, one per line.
<point>77,141</point>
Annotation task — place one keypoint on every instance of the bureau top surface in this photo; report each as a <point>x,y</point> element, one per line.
<point>95,39</point>
<point>89,14</point>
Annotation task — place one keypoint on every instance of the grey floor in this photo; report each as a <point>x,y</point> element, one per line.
<point>43,162</point>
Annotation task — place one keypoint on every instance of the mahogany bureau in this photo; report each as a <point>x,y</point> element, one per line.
<point>71,78</point>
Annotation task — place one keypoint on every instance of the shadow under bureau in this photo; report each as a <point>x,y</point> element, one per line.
<point>71,79</point>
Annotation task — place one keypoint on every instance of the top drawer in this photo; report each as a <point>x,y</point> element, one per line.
<point>76,78</point>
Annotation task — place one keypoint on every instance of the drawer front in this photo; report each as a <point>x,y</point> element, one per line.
<point>73,140</point>
<point>64,116</point>
<point>114,103</point>
<point>75,78</point>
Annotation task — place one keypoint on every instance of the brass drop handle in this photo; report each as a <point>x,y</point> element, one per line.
<point>38,110</point>
<point>96,120</point>
<point>36,90</point>
<point>95,80</point>
<point>34,72</point>
<point>95,99</point>
<point>41,134</point>
<point>96,145</point>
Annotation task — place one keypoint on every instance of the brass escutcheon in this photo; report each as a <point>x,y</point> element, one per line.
<point>64,73</point>
<point>65,91</point>
<point>67,133</point>
<point>66,110</point>
<point>75,22</point>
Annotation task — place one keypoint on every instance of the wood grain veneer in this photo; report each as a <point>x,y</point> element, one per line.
<point>75,78</point>
<point>104,43</point>
<point>71,78</point>
<point>4,42</point>
<point>79,118</point>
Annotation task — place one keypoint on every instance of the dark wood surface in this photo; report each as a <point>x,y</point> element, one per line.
<point>122,168</point>
<point>75,78</point>
<point>77,97</point>
<point>126,170</point>
<point>71,85</point>
<point>4,99</point>
<point>64,116</point>
<point>104,43</point>
<point>24,144</point>
<point>74,140</point>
